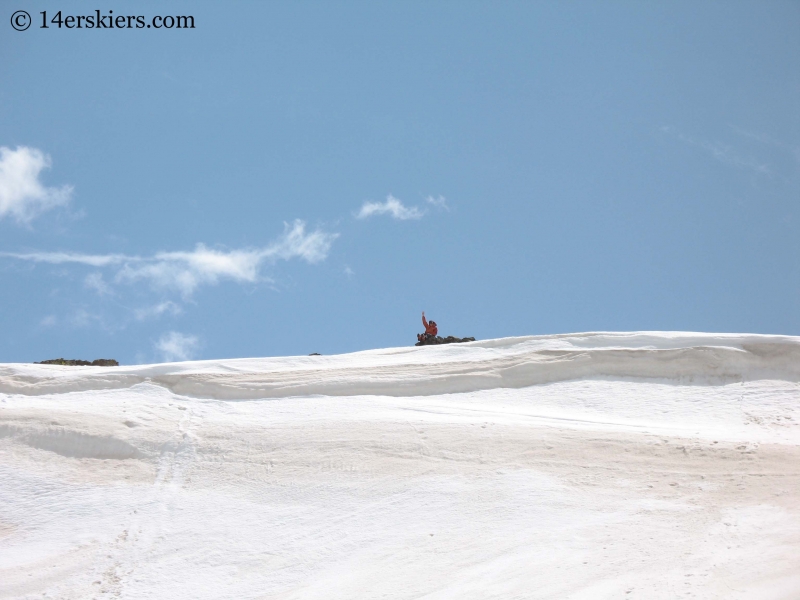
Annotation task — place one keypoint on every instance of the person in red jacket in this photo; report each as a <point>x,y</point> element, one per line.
<point>431,330</point>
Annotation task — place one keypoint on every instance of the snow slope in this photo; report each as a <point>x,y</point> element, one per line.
<point>596,465</point>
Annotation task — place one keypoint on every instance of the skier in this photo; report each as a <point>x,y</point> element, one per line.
<point>431,331</point>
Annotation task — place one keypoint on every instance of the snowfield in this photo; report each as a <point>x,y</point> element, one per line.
<point>596,465</point>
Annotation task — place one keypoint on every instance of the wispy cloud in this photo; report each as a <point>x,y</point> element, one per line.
<point>95,281</point>
<point>756,135</point>
<point>174,346</point>
<point>393,207</point>
<point>724,153</point>
<point>794,150</point>
<point>155,311</point>
<point>439,202</point>
<point>22,194</point>
<point>186,271</point>
<point>48,321</point>
<point>82,317</point>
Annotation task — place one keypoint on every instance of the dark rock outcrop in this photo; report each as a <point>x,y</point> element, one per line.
<point>69,362</point>
<point>434,341</point>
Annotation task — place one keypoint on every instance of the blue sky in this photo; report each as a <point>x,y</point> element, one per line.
<point>288,178</point>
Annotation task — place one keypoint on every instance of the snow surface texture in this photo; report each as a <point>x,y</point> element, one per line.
<point>598,465</point>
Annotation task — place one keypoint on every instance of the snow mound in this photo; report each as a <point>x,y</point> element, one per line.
<point>593,465</point>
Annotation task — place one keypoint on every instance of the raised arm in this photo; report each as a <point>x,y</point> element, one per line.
<point>424,322</point>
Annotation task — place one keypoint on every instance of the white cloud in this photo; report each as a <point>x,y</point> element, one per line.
<point>439,202</point>
<point>95,281</point>
<point>22,195</point>
<point>186,271</point>
<point>149,312</point>
<point>393,207</point>
<point>296,243</point>
<point>174,346</point>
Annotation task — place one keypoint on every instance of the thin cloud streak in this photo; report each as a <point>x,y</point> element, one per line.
<point>22,195</point>
<point>724,153</point>
<point>60,258</point>
<point>765,139</point>
<point>186,271</point>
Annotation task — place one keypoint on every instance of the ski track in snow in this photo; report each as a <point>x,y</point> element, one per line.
<point>596,465</point>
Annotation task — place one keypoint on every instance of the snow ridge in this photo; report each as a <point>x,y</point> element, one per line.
<point>509,363</point>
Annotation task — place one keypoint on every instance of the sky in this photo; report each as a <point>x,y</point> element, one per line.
<point>295,177</point>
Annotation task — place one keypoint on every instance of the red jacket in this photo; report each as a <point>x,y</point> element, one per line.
<point>430,328</point>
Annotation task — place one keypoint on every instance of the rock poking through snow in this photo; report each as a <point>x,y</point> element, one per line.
<point>71,362</point>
